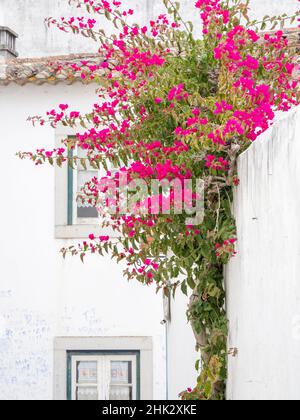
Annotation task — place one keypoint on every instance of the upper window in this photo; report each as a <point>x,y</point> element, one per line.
<point>103,376</point>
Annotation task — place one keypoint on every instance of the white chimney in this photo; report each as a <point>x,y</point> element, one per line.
<point>7,44</point>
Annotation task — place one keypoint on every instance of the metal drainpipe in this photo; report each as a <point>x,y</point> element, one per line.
<point>166,320</point>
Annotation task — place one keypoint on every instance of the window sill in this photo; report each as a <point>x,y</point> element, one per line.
<point>65,345</point>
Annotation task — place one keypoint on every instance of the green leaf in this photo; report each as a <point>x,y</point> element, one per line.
<point>208,389</point>
<point>83,163</point>
<point>263,26</point>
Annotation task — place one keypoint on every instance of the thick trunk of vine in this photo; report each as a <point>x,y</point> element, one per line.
<point>201,338</point>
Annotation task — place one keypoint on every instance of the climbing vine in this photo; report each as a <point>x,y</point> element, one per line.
<point>172,107</point>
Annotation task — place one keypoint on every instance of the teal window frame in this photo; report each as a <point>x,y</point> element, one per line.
<point>70,183</point>
<point>71,354</point>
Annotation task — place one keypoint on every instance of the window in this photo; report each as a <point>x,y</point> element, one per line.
<point>81,213</point>
<point>99,368</point>
<point>74,220</point>
<point>101,376</point>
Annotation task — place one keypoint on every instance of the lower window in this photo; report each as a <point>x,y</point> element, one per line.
<point>98,376</point>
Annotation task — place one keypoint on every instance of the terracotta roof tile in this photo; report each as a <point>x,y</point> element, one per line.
<point>47,69</point>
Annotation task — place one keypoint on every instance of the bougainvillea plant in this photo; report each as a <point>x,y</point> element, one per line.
<point>173,107</point>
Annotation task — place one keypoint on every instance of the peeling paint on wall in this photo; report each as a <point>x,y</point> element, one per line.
<point>43,296</point>
<point>24,355</point>
<point>23,15</point>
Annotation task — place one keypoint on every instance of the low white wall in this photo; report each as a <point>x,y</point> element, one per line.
<point>26,17</point>
<point>263,280</point>
<point>41,295</point>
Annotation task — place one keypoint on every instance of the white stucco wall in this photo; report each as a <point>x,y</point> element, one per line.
<point>41,295</point>
<point>263,287</point>
<point>26,17</point>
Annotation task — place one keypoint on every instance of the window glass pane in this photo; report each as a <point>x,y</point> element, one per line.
<point>82,153</point>
<point>86,394</point>
<point>121,372</point>
<point>120,393</point>
<point>86,372</point>
<point>85,176</point>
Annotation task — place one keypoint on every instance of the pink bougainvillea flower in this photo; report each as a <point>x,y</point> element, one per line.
<point>63,107</point>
